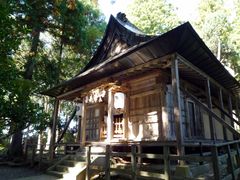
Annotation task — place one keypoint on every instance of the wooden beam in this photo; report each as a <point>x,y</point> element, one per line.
<point>83,123</point>
<point>215,116</point>
<point>190,65</point>
<point>91,85</point>
<point>220,96</point>
<point>84,88</point>
<point>209,103</point>
<point>110,115</point>
<point>53,130</point>
<point>177,106</point>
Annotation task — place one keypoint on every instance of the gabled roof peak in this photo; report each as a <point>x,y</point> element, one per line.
<point>120,35</point>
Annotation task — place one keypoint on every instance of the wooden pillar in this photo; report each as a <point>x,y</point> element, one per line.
<point>164,113</point>
<point>230,108</point>
<point>237,107</point>
<point>177,106</point>
<point>237,111</point>
<point>101,121</point>
<point>83,123</point>
<point>79,129</point>
<point>230,160</point>
<point>88,163</point>
<point>139,151</point>
<point>230,112</point>
<point>110,116</point>
<point>161,96</point>
<point>215,164</point>
<point>167,170</point>
<point>220,96</point>
<point>209,103</point>
<point>107,162</point>
<point>133,161</point>
<point>126,115</point>
<point>53,132</point>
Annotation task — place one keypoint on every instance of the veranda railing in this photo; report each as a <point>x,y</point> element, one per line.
<point>135,168</point>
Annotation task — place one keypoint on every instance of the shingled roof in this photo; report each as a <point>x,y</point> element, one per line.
<point>122,41</point>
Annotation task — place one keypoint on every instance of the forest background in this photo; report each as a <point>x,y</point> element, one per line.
<point>45,42</point>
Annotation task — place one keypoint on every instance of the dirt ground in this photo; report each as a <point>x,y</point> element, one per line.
<point>9,173</point>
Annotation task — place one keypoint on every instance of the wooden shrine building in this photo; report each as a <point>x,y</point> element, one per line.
<point>154,90</point>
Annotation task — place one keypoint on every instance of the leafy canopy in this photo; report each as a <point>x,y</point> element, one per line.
<point>41,44</point>
<point>218,25</point>
<point>153,17</point>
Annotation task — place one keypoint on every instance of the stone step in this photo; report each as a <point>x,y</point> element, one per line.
<point>77,158</point>
<point>56,173</point>
<point>69,163</point>
<point>61,168</point>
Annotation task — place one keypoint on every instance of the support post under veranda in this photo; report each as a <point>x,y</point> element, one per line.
<point>177,106</point>
<point>53,132</point>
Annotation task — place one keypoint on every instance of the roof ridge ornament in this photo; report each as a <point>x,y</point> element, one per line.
<point>122,16</point>
<point>123,20</point>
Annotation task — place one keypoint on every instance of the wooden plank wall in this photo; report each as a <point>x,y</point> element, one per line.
<point>145,107</point>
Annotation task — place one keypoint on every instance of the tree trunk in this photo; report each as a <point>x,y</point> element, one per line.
<point>31,61</point>
<point>39,142</point>
<point>16,148</point>
<point>48,138</point>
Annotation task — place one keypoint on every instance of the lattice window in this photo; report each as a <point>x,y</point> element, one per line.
<point>92,124</point>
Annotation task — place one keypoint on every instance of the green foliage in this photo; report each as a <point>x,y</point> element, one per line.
<point>218,25</point>
<point>234,40</point>
<point>10,31</point>
<point>29,64</point>
<point>213,23</point>
<point>153,17</point>
<point>69,137</point>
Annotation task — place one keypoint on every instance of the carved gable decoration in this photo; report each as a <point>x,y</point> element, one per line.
<point>116,47</point>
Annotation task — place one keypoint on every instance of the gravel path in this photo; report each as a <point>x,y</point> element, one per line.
<point>9,173</point>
